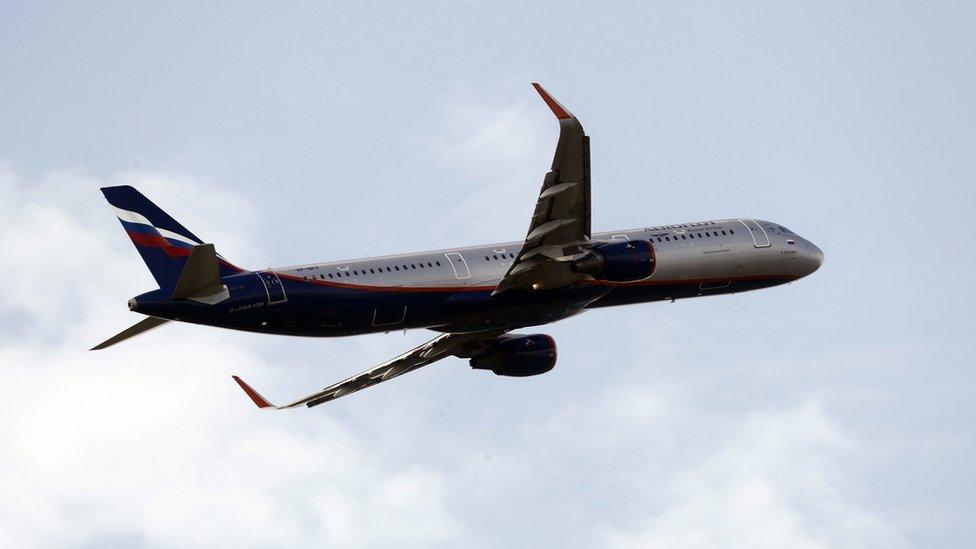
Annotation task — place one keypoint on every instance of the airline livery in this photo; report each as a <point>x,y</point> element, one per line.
<point>473,297</point>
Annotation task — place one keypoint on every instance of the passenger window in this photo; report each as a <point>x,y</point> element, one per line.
<point>723,233</point>
<point>495,256</point>
<point>438,263</point>
<point>397,268</point>
<point>330,275</point>
<point>683,237</point>
<point>486,258</point>
<point>667,238</point>
<point>429,265</point>
<point>371,271</point>
<point>731,231</point>
<point>413,266</point>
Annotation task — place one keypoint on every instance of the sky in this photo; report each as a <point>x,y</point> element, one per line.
<point>836,411</point>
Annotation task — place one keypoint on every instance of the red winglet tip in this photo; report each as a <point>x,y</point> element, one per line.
<point>557,109</point>
<point>259,400</point>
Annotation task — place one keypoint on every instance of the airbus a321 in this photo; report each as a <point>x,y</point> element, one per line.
<point>473,297</point>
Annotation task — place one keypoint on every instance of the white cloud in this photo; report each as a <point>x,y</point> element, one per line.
<point>775,483</point>
<point>150,443</point>
<point>505,149</point>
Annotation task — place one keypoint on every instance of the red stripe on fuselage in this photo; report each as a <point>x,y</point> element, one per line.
<point>435,289</point>
<point>319,282</point>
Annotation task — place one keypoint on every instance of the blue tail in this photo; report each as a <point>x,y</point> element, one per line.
<point>162,242</point>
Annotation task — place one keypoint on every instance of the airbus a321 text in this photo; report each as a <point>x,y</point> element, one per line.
<point>473,297</point>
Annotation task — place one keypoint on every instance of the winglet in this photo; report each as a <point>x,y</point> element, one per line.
<point>259,400</point>
<point>557,109</point>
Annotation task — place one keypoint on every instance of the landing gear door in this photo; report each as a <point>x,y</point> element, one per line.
<point>273,287</point>
<point>759,237</point>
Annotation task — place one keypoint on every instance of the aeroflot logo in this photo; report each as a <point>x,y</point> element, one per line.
<point>682,226</point>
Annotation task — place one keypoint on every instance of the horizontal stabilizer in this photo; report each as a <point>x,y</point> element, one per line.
<point>200,279</point>
<point>141,327</point>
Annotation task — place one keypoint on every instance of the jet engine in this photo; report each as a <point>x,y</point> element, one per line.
<point>618,261</point>
<point>518,355</point>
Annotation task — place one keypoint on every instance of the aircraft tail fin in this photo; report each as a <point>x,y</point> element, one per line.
<point>162,241</point>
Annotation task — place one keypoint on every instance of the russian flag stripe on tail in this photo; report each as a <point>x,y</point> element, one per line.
<point>162,241</point>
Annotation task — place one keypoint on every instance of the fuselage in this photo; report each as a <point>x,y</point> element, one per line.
<point>450,290</point>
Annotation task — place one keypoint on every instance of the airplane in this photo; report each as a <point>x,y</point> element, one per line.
<point>473,297</point>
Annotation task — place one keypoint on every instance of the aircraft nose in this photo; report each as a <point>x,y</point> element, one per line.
<point>133,304</point>
<point>813,257</point>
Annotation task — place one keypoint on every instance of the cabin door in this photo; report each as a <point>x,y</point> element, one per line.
<point>759,237</point>
<point>273,287</point>
<point>459,265</point>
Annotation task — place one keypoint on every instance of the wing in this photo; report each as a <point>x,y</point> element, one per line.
<point>440,347</point>
<point>561,222</point>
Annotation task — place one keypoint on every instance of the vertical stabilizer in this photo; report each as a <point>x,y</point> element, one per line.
<point>163,242</point>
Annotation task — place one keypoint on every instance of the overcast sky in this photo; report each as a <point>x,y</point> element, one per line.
<point>836,411</point>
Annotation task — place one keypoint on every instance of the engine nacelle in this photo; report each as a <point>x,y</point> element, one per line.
<point>518,356</point>
<point>618,261</point>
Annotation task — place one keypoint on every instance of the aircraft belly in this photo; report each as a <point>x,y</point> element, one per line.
<point>477,311</point>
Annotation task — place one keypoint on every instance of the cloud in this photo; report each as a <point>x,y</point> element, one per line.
<point>149,443</point>
<point>505,149</point>
<point>775,483</point>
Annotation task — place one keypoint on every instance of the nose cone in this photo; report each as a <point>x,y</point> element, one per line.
<point>812,258</point>
<point>133,304</point>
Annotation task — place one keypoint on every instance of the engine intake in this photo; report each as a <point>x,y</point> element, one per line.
<point>618,261</point>
<point>518,356</point>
